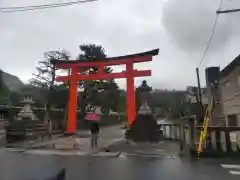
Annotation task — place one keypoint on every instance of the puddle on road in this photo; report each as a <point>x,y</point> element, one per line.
<point>157,156</point>
<point>160,150</point>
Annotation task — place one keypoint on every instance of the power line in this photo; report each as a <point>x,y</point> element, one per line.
<point>211,36</point>
<point>228,11</point>
<point>44,5</point>
<point>40,7</point>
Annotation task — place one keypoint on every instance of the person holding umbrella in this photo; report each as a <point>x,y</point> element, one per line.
<point>94,129</point>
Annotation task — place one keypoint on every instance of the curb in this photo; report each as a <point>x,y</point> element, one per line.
<point>105,148</point>
<point>32,146</point>
<point>59,152</point>
<point>106,154</point>
<point>117,142</point>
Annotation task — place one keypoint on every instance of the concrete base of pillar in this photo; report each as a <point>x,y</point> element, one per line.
<point>69,143</point>
<point>67,134</point>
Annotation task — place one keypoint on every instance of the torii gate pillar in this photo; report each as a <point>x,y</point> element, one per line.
<point>131,107</point>
<point>72,104</point>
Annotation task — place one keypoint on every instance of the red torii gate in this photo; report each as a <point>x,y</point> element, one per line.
<point>130,73</point>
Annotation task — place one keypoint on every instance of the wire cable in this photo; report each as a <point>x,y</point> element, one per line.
<point>40,7</point>
<point>211,36</point>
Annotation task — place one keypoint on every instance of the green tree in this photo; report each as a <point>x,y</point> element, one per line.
<point>96,92</point>
<point>46,71</point>
<point>15,98</point>
<point>60,96</point>
<point>45,76</point>
<point>121,105</point>
<point>176,110</point>
<point>168,101</point>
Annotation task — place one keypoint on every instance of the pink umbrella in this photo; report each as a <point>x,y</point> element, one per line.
<point>92,117</point>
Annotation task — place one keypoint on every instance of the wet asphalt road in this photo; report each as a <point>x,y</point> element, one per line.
<point>17,166</point>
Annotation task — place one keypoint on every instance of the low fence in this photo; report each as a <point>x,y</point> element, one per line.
<point>2,124</point>
<point>220,141</point>
<point>171,131</point>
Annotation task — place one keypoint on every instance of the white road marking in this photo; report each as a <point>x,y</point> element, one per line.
<point>231,166</point>
<point>160,150</point>
<point>164,156</point>
<point>122,156</point>
<point>106,154</point>
<point>14,149</point>
<point>235,172</point>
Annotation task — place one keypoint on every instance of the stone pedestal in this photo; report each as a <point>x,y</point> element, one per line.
<point>69,143</point>
<point>145,127</point>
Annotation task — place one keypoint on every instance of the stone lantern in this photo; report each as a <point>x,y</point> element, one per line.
<point>27,112</point>
<point>145,127</point>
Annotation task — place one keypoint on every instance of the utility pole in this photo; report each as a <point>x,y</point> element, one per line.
<point>199,86</point>
<point>199,96</point>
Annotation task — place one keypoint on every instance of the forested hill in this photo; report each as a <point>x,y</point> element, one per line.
<point>13,83</point>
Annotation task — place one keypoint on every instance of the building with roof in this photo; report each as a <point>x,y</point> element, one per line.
<point>230,92</point>
<point>191,95</point>
<point>217,116</point>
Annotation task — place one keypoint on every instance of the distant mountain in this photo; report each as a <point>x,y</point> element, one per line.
<point>13,83</point>
<point>167,97</point>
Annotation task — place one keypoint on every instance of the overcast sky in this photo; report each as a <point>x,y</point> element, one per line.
<point>180,28</point>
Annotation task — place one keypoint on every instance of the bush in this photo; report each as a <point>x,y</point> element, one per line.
<point>123,118</point>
